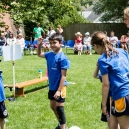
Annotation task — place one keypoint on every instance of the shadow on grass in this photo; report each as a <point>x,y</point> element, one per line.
<point>35,89</point>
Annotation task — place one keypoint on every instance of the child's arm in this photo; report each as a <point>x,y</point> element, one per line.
<point>95,74</point>
<point>63,77</point>
<point>105,91</point>
<point>39,50</point>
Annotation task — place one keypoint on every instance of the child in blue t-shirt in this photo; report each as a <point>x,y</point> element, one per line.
<point>3,111</point>
<point>114,67</point>
<point>105,118</point>
<point>57,65</point>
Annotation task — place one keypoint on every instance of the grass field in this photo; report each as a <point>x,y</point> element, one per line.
<point>82,105</point>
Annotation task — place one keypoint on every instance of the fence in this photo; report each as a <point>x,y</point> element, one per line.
<point>118,28</point>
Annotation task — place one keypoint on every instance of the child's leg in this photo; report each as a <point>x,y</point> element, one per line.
<point>113,123</point>
<point>61,114</point>
<point>84,48</point>
<point>2,123</point>
<point>123,122</point>
<point>53,107</point>
<point>90,50</point>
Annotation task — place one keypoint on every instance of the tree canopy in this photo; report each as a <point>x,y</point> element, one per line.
<point>47,12</point>
<point>112,9</point>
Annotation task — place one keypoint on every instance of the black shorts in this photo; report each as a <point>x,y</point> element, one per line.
<point>3,111</point>
<point>120,107</point>
<point>103,117</point>
<point>62,97</point>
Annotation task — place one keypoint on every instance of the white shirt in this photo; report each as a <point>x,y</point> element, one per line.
<point>10,41</point>
<point>113,40</point>
<point>21,42</point>
<point>50,33</point>
<point>87,41</point>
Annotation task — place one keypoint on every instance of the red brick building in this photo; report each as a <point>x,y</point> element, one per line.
<point>8,21</point>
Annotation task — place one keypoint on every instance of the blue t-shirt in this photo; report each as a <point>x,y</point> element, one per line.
<point>2,95</point>
<point>56,63</point>
<point>117,68</point>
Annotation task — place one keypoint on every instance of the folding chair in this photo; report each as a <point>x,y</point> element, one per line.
<point>63,44</point>
<point>70,45</point>
<point>27,45</point>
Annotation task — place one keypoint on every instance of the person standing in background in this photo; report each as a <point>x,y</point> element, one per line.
<point>51,31</point>
<point>2,42</point>
<point>37,31</point>
<point>59,29</point>
<point>7,32</point>
<point>19,31</point>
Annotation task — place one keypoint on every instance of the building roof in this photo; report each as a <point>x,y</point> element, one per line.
<point>92,17</point>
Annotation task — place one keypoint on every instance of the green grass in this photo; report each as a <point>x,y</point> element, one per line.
<point>82,104</point>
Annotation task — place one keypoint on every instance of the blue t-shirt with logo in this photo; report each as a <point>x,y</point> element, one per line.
<point>117,68</point>
<point>56,63</point>
<point>2,95</point>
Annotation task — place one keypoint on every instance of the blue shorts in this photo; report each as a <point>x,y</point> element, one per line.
<point>62,97</point>
<point>3,111</point>
<point>87,47</point>
<point>120,107</point>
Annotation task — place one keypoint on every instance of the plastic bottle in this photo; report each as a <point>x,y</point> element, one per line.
<point>40,73</point>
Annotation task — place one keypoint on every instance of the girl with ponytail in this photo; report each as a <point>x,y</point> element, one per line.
<point>114,68</point>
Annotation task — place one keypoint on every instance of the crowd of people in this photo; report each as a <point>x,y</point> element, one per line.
<point>112,68</point>
<point>83,45</point>
<point>7,38</point>
<point>40,33</point>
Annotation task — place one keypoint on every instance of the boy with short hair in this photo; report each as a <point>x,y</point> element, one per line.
<point>57,65</point>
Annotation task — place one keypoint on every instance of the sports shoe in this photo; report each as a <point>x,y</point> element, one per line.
<point>58,127</point>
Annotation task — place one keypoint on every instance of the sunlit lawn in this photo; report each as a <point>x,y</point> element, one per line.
<point>82,105</point>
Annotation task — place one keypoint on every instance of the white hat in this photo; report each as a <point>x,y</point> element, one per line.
<point>78,33</point>
<point>87,33</point>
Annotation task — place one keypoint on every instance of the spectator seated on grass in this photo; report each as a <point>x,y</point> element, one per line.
<point>78,43</point>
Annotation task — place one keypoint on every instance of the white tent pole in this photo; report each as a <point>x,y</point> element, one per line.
<point>13,47</point>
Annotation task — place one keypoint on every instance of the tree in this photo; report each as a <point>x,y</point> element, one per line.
<point>112,9</point>
<point>47,12</point>
<point>2,13</point>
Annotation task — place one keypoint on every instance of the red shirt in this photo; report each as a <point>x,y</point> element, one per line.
<point>78,40</point>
